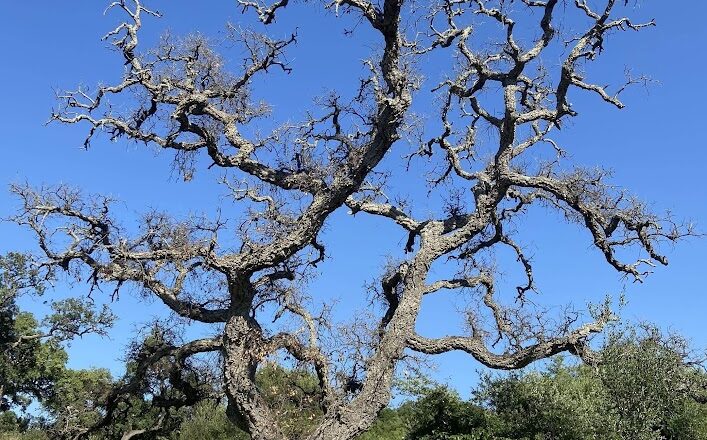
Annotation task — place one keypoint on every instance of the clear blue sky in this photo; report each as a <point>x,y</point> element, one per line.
<point>655,147</point>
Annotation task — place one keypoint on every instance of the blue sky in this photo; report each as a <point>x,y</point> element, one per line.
<point>655,148</point>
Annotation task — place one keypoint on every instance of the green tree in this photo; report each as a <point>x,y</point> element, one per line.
<point>32,358</point>
<point>651,383</point>
<point>28,368</point>
<point>563,403</point>
<point>29,365</point>
<point>442,415</point>
<point>643,387</point>
<point>76,401</point>
<point>433,412</point>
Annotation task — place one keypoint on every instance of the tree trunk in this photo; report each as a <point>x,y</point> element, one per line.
<point>242,344</point>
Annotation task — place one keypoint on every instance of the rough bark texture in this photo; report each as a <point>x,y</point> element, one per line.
<point>189,105</point>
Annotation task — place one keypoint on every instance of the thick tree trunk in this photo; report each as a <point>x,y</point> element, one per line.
<point>242,345</point>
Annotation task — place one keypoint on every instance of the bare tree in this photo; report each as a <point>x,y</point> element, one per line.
<point>291,180</point>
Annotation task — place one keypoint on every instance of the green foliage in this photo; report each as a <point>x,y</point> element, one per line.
<point>31,434</point>
<point>208,421</point>
<point>649,382</point>
<point>442,414</point>
<point>689,422</point>
<point>434,413</point>
<point>293,395</point>
<point>392,424</point>
<point>28,365</point>
<point>28,368</point>
<point>32,359</point>
<point>11,422</point>
<point>76,400</point>
<point>73,317</point>
<point>640,391</point>
<point>563,403</point>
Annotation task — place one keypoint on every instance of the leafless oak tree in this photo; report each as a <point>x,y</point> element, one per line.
<point>291,180</point>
